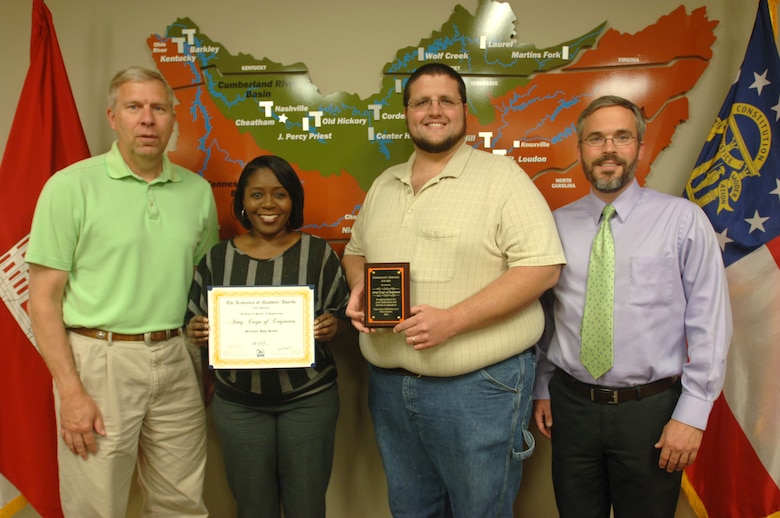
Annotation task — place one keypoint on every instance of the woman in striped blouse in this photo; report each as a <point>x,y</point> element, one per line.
<point>276,426</point>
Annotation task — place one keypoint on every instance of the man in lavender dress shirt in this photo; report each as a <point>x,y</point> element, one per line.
<point>621,441</point>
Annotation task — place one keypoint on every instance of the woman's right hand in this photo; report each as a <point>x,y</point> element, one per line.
<point>198,331</point>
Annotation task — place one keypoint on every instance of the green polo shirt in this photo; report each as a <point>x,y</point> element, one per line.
<point>129,246</point>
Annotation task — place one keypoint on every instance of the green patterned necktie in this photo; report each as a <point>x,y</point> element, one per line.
<point>596,352</point>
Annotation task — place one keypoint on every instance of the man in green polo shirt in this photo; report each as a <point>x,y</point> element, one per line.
<point>112,249</point>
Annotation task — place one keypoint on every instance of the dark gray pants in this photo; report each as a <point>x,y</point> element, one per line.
<point>604,456</point>
<point>279,455</point>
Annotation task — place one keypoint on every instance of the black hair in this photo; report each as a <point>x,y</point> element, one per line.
<point>286,175</point>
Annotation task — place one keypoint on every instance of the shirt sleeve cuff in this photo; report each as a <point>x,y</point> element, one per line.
<point>542,385</point>
<point>692,411</point>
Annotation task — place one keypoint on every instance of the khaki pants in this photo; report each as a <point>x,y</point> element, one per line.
<point>154,417</point>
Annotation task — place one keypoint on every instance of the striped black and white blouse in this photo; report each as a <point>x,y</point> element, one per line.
<point>310,261</point>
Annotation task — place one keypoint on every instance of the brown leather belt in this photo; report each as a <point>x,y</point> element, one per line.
<point>613,396</point>
<point>154,336</point>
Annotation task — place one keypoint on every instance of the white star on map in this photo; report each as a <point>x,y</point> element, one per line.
<point>756,222</point>
<point>283,118</point>
<point>723,239</point>
<point>777,189</point>
<point>776,108</point>
<point>760,81</point>
<point>736,79</point>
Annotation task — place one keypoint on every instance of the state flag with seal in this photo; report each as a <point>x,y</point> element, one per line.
<point>737,182</point>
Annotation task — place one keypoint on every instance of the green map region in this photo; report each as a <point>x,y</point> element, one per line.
<point>523,103</point>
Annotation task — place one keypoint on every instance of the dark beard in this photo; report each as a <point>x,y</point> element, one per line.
<point>445,145</point>
<point>615,183</point>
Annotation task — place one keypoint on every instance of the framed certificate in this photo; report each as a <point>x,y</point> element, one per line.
<point>387,294</point>
<point>261,327</point>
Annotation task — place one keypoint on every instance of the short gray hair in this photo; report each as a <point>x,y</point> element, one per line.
<point>137,74</point>
<point>607,101</point>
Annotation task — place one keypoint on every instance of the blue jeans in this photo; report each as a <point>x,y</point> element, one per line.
<point>454,446</point>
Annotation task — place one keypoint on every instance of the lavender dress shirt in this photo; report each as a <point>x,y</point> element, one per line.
<point>672,311</point>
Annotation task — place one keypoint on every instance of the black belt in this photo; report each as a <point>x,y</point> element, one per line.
<point>399,371</point>
<point>613,396</point>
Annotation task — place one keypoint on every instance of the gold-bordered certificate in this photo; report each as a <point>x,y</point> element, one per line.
<point>261,327</point>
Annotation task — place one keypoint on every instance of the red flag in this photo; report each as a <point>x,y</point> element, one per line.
<point>737,183</point>
<point>46,136</point>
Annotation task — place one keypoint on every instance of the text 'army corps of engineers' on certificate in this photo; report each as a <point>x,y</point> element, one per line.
<point>257,327</point>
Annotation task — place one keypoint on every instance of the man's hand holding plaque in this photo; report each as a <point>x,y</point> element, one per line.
<point>386,293</point>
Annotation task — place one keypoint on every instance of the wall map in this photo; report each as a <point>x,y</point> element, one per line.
<point>523,103</point>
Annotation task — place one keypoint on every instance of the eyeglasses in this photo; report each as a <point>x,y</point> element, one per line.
<point>601,141</point>
<point>445,103</point>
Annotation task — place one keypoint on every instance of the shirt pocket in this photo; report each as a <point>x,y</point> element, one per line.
<point>651,281</point>
<point>434,256</point>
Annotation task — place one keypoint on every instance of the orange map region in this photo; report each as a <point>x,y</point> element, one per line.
<point>554,165</point>
<point>523,102</point>
<point>207,144</point>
